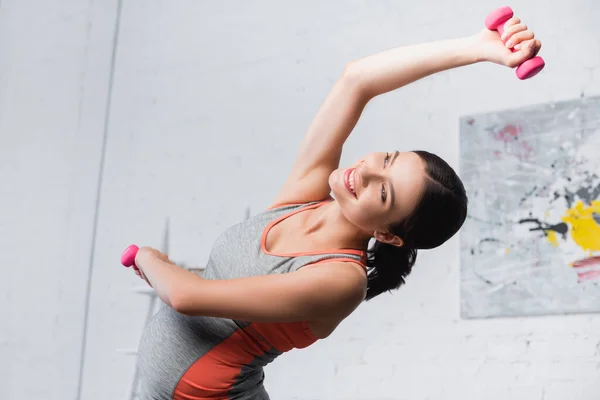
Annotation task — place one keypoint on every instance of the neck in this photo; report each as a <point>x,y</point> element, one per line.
<point>329,223</point>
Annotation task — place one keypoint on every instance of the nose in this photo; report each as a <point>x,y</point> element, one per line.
<point>367,174</point>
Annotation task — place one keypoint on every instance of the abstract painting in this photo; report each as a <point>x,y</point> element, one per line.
<point>531,242</point>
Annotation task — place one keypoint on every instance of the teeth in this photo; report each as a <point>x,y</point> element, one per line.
<point>351,181</point>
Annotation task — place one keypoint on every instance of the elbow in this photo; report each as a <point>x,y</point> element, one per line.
<point>353,79</point>
<point>182,296</point>
<point>180,303</point>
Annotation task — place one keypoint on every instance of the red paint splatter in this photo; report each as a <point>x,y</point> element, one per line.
<point>510,134</point>
<point>586,262</point>
<point>588,275</point>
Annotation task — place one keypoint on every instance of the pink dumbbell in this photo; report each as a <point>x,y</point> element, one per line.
<point>495,22</point>
<point>128,257</point>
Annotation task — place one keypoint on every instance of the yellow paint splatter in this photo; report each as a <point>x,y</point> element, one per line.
<point>584,229</point>
<point>507,250</point>
<point>552,238</point>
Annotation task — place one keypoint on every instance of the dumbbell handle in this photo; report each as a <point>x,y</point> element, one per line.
<point>498,24</point>
<point>495,21</point>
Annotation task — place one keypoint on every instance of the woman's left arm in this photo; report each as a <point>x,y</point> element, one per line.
<point>332,290</point>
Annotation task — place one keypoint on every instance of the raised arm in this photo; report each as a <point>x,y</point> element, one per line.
<point>326,293</point>
<point>363,79</point>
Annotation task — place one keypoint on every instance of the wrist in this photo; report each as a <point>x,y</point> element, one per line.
<point>143,257</point>
<point>473,49</point>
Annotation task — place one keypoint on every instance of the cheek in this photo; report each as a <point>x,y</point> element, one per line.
<point>366,213</point>
<point>370,214</point>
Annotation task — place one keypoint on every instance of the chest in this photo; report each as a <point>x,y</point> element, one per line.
<point>285,237</point>
<point>292,236</point>
<point>240,251</point>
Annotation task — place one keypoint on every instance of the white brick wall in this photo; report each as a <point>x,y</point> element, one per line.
<point>248,79</point>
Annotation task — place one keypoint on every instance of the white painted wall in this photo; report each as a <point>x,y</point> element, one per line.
<point>203,116</point>
<point>54,74</point>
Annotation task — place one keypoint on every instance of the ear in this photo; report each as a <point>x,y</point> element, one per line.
<point>386,237</point>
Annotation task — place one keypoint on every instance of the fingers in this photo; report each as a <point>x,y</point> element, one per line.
<point>537,47</point>
<point>527,50</point>
<point>139,273</point>
<point>145,279</point>
<point>511,26</point>
<point>534,45</point>
<point>510,23</point>
<point>519,37</point>
<point>515,32</point>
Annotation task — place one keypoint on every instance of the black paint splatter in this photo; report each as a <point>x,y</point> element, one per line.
<point>482,241</point>
<point>560,228</point>
<point>527,195</point>
<point>489,240</point>
<point>589,193</point>
<point>586,193</point>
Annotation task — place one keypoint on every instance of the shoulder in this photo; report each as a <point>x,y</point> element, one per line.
<point>344,280</point>
<point>346,286</point>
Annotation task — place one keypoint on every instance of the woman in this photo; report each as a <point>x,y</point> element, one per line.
<point>288,276</point>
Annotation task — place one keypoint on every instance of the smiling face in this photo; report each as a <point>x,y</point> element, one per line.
<point>380,190</point>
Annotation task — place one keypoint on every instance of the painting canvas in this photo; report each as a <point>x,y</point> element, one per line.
<point>531,242</point>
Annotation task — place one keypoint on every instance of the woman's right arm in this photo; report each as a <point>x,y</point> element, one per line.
<point>321,149</point>
<point>328,293</point>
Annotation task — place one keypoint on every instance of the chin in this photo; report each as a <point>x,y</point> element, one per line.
<point>331,180</point>
<point>347,207</point>
<point>336,182</point>
<point>336,185</point>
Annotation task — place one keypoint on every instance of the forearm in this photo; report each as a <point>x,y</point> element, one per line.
<point>391,69</point>
<point>314,294</point>
<point>168,279</point>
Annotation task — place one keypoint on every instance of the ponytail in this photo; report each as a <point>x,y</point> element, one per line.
<point>388,265</point>
<point>438,215</point>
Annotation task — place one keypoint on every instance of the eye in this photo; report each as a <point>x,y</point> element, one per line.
<point>386,159</point>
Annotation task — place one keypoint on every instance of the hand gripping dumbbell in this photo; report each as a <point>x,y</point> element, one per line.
<point>495,22</point>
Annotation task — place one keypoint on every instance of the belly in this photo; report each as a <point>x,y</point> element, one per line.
<point>194,358</point>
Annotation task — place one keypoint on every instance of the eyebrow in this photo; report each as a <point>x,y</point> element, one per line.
<point>396,154</point>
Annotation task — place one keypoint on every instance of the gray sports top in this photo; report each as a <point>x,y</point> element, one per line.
<point>196,358</point>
